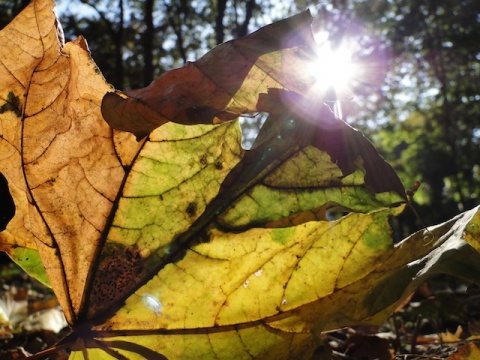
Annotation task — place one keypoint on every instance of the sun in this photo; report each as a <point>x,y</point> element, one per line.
<point>333,67</point>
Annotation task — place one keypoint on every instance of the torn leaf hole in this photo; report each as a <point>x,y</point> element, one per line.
<point>7,210</point>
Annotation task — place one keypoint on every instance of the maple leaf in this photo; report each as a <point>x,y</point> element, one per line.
<point>184,245</point>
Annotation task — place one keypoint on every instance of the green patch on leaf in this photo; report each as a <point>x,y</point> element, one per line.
<point>377,237</point>
<point>30,261</point>
<point>283,236</point>
<point>472,232</point>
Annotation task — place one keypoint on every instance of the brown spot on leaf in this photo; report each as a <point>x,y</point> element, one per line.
<point>192,209</point>
<point>12,104</point>
<point>116,276</point>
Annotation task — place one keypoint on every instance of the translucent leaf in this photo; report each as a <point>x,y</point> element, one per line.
<point>184,245</point>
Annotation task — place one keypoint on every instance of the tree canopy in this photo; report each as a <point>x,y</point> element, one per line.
<point>432,97</point>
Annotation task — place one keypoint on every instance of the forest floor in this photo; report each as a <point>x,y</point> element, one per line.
<point>441,320</point>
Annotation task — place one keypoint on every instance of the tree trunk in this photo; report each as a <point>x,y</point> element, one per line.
<point>148,37</point>
<point>219,26</point>
<point>118,82</point>
<point>242,29</point>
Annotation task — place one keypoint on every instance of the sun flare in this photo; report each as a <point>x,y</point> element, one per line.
<point>333,67</point>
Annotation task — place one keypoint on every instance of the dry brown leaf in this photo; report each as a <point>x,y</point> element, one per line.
<point>63,167</point>
<point>468,351</point>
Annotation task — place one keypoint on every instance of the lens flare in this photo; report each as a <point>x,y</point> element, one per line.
<point>333,67</point>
